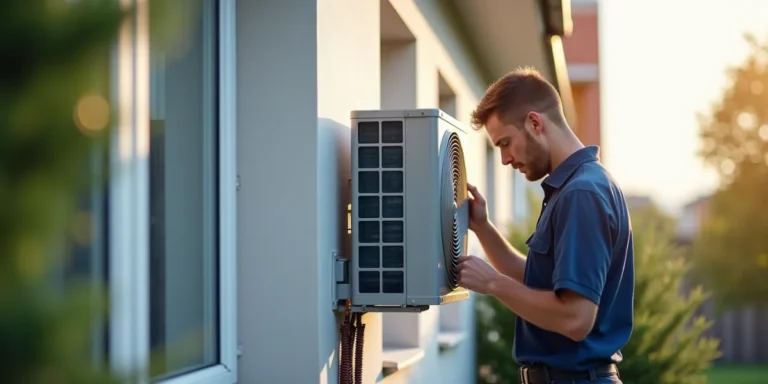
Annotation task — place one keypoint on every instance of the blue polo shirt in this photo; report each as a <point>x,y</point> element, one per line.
<point>582,242</point>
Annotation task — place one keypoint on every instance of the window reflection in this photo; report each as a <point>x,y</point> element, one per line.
<point>183,201</point>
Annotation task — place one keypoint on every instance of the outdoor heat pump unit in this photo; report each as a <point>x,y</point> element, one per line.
<point>409,212</point>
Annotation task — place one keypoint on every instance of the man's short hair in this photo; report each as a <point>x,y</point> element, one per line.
<point>514,95</point>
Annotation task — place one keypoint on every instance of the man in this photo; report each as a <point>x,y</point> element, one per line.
<point>573,293</point>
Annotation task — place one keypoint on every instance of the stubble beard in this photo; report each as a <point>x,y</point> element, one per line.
<point>538,159</point>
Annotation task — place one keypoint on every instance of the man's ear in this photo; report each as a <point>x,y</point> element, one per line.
<point>535,121</point>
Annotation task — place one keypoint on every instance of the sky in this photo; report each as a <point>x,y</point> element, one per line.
<point>661,63</point>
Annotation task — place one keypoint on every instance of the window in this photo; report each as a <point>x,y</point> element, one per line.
<point>522,197</point>
<point>398,60</point>
<point>446,96</point>
<point>183,201</point>
<point>490,180</point>
<point>87,243</point>
<point>401,335</point>
<point>172,200</point>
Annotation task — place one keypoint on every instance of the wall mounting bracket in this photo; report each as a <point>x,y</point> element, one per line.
<point>341,291</point>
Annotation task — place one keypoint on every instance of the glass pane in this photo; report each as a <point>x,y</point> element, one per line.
<point>183,200</point>
<point>86,259</point>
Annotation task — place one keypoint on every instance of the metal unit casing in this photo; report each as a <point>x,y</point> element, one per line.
<point>409,208</point>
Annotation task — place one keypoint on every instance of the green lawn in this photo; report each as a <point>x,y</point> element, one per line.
<point>738,374</point>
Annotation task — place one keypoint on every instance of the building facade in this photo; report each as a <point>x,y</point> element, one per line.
<point>582,52</point>
<point>229,167</point>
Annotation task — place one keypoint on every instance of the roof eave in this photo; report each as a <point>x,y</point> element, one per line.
<point>509,34</point>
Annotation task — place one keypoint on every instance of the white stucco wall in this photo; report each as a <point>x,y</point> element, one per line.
<point>302,67</point>
<point>348,79</point>
<point>279,271</point>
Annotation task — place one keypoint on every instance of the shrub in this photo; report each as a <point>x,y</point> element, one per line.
<point>54,55</point>
<point>667,344</point>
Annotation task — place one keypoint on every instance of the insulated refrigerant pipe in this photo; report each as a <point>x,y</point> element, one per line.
<point>352,335</point>
<point>359,339</point>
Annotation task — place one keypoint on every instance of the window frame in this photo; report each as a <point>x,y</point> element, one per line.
<point>129,350</point>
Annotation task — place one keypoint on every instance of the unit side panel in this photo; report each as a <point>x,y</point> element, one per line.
<point>424,254</point>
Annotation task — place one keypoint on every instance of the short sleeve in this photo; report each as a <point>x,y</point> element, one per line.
<point>582,248</point>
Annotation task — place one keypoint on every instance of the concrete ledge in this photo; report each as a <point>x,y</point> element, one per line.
<point>450,339</point>
<point>398,358</point>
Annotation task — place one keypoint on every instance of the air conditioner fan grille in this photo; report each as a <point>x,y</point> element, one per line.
<point>454,205</point>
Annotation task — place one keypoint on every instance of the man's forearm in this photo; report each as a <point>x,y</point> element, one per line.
<point>539,307</point>
<point>500,253</point>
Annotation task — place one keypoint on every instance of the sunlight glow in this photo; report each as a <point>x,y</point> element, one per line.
<point>764,132</point>
<point>747,120</point>
<point>92,114</point>
<point>661,62</point>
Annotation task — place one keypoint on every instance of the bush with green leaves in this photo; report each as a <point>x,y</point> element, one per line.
<point>53,86</point>
<point>668,345</point>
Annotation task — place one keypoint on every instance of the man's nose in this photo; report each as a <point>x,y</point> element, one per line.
<point>507,160</point>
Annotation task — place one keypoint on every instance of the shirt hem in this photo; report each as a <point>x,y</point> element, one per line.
<point>581,289</point>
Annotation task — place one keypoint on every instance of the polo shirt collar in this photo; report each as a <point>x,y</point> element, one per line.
<point>557,178</point>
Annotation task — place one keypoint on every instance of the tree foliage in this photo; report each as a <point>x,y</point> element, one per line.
<point>667,344</point>
<point>731,251</point>
<point>53,85</point>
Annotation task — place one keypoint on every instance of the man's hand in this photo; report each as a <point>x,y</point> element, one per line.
<point>475,274</point>
<point>478,209</point>
<point>504,258</point>
<point>569,314</point>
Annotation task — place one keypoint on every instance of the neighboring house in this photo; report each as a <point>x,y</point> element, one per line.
<point>229,168</point>
<point>582,52</point>
<point>638,201</point>
<point>691,219</point>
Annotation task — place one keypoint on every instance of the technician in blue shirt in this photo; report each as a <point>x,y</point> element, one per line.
<point>573,293</point>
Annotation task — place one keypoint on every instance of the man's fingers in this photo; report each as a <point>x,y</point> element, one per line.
<point>475,194</point>
<point>462,263</point>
